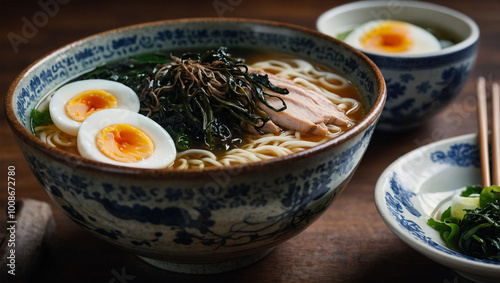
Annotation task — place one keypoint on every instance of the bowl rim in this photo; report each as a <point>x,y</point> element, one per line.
<point>467,42</point>
<point>178,174</point>
<point>457,263</point>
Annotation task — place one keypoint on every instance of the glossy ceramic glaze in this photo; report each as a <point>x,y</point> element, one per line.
<point>419,186</point>
<point>418,86</point>
<point>196,221</point>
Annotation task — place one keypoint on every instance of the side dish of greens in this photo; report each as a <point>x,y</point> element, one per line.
<point>471,225</point>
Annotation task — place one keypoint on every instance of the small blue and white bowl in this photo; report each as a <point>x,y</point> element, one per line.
<point>196,220</point>
<point>419,186</point>
<point>418,86</point>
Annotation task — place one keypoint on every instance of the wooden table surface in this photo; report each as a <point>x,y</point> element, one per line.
<point>349,243</point>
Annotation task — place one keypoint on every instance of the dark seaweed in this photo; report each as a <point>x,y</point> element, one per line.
<point>478,233</point>
<point>480,236</point>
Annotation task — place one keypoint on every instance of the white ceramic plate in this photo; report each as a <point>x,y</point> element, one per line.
<point>419,185</point>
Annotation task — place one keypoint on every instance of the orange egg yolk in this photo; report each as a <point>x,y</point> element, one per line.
<point>124,143</point>
<point>88,102</point>
<point>390,37</point>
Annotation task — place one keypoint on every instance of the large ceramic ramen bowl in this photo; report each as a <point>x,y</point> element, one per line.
<point>418,86</point>
<point>196,221</point>
<point>419,186</point>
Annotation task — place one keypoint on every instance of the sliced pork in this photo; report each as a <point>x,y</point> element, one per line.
<point>306,111</point>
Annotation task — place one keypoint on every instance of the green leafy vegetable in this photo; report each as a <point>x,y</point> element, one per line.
<point>133,72</point>
<point>157,58</point>
<point>40,118</point>
<point>342,36</point>
<point>489,195</point>
<point>448,228</point>
<point>471,190</point>
<point>478,233</point>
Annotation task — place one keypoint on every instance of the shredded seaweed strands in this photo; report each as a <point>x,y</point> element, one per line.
<point>480,235</point>
<point>209,96</point>
<point>477,234</point>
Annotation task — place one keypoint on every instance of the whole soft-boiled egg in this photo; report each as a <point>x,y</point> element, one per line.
<point>393,37</point>
<point>71,104</point>
<point>125,138</point>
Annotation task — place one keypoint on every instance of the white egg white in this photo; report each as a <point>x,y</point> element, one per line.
<point>163,155</point>
<point>125,96</point>
<point>423,41</point>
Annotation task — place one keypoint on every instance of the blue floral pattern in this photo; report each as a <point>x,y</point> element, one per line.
<point>419,87</point>
<point>403,196</point>
<point>294,192</point>
<point>398,199</point>
<point>462,154</point>
<point>403,108</point>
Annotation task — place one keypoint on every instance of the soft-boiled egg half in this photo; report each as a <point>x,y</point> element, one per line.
<point>71,104</point>
<point>125,138</point>
<point>393,37</point>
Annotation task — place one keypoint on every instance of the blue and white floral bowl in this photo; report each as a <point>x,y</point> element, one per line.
<point>196,221</point>
<point>418,86</point>
<point>419,186</point>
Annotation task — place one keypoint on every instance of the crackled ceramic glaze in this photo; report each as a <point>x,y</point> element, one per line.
<point>196,221</point>
<point>419,186</point>
<point>417,86</point>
